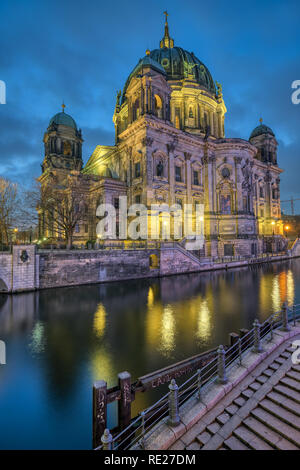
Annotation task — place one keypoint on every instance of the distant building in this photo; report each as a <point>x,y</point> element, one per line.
<point>170,147</point>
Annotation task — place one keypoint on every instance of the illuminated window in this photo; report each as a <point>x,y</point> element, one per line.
<point>137,170</point>
<point>178,173</point>
<point>177,118</point>
<point>196,178</point>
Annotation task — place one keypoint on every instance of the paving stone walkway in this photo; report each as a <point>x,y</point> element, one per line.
<point>261,413</point>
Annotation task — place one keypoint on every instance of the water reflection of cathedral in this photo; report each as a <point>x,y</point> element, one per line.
<point>170,147</point>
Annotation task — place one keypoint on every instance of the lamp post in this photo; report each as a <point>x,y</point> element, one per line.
<point>286,229</point>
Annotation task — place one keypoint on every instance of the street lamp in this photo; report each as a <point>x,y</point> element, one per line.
<point>273,226</point>
<point>286,229</point>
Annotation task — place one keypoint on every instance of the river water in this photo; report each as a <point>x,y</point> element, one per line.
<point>60,341</point>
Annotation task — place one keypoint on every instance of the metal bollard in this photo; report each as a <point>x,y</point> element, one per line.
<point>222,379</point>
<point>256,346</point>
<point>173,404</point>
<point>106,440</point>
<point>284,316</point>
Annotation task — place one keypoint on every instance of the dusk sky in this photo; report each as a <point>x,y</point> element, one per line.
<point>82,52</point>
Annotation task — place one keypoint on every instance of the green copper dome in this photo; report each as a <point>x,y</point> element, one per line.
<point>176,63</point>
<point>260,130</point>
<point>64,120</point>
<point>179,63</point>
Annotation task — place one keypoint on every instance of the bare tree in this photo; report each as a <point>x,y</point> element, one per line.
<point>8,208</point>
<point>62,210</point>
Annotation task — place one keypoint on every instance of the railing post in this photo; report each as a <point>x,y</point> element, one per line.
<point>256,346</point>
<point>284,317</point>
<point>106,440</point>
<point>124,404</point>
<point>240,351</point>
<point>222,379</point>
<point>294,315</point>
<point>99,411</point>
<point>199,384</point>
<point>173,404</point>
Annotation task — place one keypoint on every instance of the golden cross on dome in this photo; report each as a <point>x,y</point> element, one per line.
<point>166,15</point>
<point>63,107</point>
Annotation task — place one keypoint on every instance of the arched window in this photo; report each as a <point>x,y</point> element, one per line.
<point>67,149</point>
<point>160,169</point>
<point>158,106</point>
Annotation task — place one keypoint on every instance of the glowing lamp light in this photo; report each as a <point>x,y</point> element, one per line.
<point>273,223</point>
<point>287,227</point>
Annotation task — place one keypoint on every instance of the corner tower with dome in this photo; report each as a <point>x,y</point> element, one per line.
<point>170,148</point>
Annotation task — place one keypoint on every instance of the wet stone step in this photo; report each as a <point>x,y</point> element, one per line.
<point>193,446</point>
<point>261,379</point>
<point>277,425</point>
<point>239,401</point>
<point>213,428</point>
<point>231,409</point>
<point>294,375</point>
<point>268,372</point>
<point>270,436</point>
<point>235,444</point>
<point>287,392</point>
<point>250,438</point>
<point>247,393</point>
<point>274,366</point>
<point>285,355</point>
<point>255,386</point>
<point>223,418</point>
<point>291,383</point>
<point>280,360</point>
<point>285,402</point>
<point>203,438</point>
<point>285,415</point>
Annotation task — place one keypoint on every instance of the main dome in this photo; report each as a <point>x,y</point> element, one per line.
<point>176,63</point>
<point>179,63</point>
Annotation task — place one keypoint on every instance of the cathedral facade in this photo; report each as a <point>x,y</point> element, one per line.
<point>170,147</point>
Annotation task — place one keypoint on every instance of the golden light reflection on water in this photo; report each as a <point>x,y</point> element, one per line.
<point>275,289</point>
<point>192,319</point>
<point>167,331</point>
<point>102,365</point>
<point>276,299</point>
<point>203,331</point>
<point>100,321</point>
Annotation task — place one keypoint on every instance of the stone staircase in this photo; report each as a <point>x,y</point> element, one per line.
<point>264,414</point>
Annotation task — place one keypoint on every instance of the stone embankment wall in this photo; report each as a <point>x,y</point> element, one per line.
<point>71,268</point>
<point>25,269</point>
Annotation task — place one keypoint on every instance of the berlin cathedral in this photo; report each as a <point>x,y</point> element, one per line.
<point>170,147</point>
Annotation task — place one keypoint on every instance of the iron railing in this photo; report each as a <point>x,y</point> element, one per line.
<point>134,435</point>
